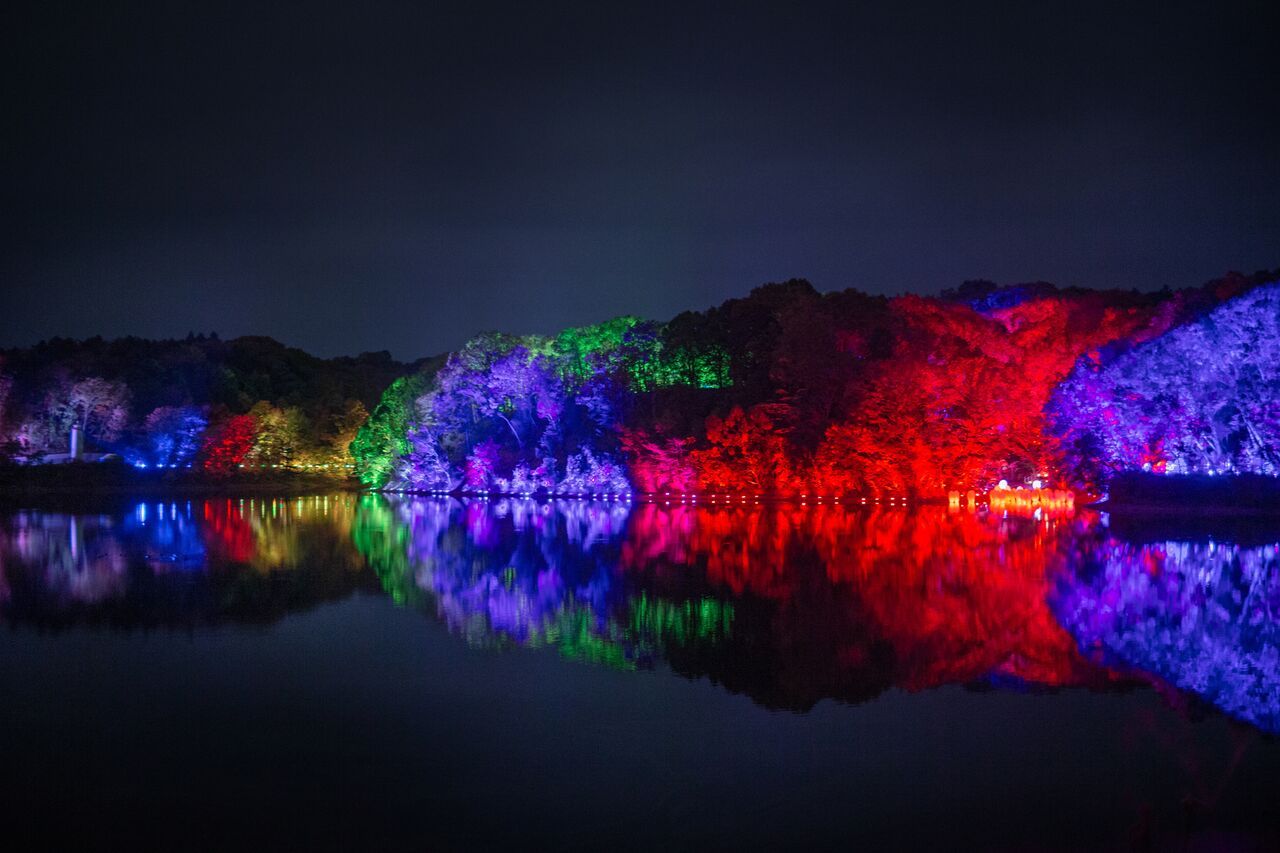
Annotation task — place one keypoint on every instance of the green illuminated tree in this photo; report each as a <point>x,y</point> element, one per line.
<point>384,436</point>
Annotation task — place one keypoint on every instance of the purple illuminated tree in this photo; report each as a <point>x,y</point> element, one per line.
<point>96,406</point>
<point>1203,398</point>
<point>517,416</point>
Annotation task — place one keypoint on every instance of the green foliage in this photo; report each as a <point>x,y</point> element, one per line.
<point>693,351</point>
<point>584,350</point>
<point>706,368</point>
<point>384,436</point>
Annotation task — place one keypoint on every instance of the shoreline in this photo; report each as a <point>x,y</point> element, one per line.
<point>1186,510</point>
<point>1136,495</point>
<point>1236,496</point>
<point>96,480</point>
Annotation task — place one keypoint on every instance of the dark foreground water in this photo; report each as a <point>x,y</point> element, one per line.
<point>350,671</point>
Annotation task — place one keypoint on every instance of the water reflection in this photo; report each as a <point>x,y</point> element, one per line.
<point>851,602</point>
<point>1203,616</point>
<point>527,573</point>
<point>786,604</point>
<point>177,564</point>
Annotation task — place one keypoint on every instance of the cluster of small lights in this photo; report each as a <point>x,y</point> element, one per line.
<point>1033,500</point>
<point>488,495</point>
<point>140,512</point>
<point>666,498</point>
<point>716,498</point>
<point>140,464</point>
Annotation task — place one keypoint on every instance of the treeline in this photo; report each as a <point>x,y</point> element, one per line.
<point>786,391</point>
<point>250,402</point>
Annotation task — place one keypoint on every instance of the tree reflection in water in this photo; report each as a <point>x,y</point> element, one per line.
<point>786,603</point>
<point>1202,616</point>
<point>847,603</point>
<point>793,604</point>
<point>177,563</point>
<point>528,573</point>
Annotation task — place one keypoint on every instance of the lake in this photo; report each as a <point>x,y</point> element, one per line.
<point>412,673</point>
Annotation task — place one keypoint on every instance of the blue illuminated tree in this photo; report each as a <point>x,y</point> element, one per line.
<point>173,434</point>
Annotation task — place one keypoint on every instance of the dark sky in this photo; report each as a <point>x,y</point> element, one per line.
<point>352,178</point>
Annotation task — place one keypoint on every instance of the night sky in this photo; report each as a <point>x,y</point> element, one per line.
<point>349,179</point>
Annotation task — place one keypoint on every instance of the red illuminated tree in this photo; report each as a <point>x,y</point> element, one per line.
<point>227,443</point>
<point>747,450</point>
<point>658,463</point>
<point>960,403</point>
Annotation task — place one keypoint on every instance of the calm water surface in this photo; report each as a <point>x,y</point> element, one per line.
<point>432,674</point>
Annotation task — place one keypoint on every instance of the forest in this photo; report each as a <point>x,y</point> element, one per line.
<point>792,392</point>
<point>784,392</point>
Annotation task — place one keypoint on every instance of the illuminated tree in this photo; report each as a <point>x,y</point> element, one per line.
<point>589,350</point>
<point>786,390</point>
<point>173,434</point>
<point>508,417</point>
<point>692,352</point>
<point>227,443</point>
<point>1202,399</point>
<point>6,386</point>
<point>384,437</point>
<point>658,462</point>
<point>745,450</point>
<point>97,406</point>
<point>587,473</point>
<point>333,447</point>
<point>960,402</point>
<point>39,434</point>
<point>279,437</point>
